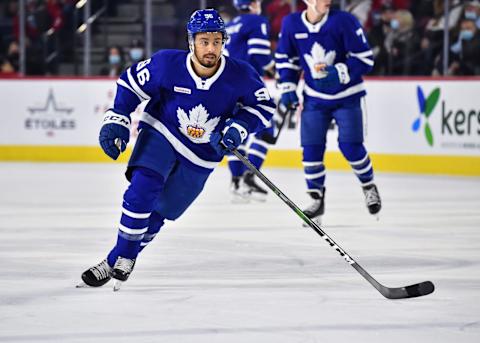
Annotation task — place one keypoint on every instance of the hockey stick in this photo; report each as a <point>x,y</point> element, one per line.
<point>284,113</point>
<point>416,290</point>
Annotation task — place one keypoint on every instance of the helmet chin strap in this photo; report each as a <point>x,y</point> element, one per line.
<point>312,6</point>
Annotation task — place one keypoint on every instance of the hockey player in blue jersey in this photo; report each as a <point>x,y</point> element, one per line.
<point>329,46</point>
<point>249,41</point>
<point>187,123</point>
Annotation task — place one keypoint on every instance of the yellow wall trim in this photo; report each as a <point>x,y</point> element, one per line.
<point>46,153</point>
<point>422,164</point>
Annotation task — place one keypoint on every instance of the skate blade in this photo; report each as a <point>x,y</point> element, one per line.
<point>117,284</point>
<point>377,217</point>
<point>82,285</point>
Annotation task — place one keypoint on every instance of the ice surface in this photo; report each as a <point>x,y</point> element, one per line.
<point>239,273</point>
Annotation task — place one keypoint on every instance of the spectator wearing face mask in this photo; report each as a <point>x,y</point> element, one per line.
<point>115,63</point>
<point>472,12</point>
<point>136,52</point>
<point>401,43</point>
<point>466,61</point>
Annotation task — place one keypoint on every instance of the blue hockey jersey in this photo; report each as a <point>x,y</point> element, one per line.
<point>249,41</point>
<point>337,38</point>
<point>187,109</point>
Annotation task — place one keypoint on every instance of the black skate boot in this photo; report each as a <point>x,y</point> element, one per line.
<point>96,276</point>
<point>256,192</point>
<point>240,191</point>
<point>316,210</point>
<point>372,199</point>
<point>121,271</point>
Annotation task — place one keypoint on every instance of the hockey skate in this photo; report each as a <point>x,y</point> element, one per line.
<point>121,271</point>
<point>256,192</point>
<point>316,210</point>
<point>372,199</point>
<point>96,276</point>
<point>240,191</point>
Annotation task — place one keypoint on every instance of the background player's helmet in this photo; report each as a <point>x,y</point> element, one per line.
<point>242,4</point>
<point>207,20</point>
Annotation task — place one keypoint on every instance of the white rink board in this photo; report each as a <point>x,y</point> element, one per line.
<point>69,112</point>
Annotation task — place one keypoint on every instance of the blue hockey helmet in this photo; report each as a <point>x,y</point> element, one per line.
<point>242,4</point>
<point>207,20</point>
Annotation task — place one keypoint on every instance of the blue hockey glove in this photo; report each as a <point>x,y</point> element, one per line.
<point>114,134</point>
<point>335,76</point>
<point>234,133</point>
<point>289,98</point>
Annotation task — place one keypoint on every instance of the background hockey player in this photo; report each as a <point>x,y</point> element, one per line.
<point>249,41</point>
<point>186,125</point>
<point>330,47</point>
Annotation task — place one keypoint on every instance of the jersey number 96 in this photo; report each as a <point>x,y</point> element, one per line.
<point>143,74</point>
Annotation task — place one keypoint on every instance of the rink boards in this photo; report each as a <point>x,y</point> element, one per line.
<point>411,125</point>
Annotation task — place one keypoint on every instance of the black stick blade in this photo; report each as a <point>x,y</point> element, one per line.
<point>412,291</point>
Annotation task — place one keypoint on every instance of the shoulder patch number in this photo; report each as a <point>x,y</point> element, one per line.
<point>262,94</point>
<point>263,27</point>
<point>360,33</point>
<point>143,74</point>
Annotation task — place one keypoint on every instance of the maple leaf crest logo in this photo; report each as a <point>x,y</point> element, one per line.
<point>196,126</point>
<point>317,58</point>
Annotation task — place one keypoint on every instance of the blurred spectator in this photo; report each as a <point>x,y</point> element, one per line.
<point>432,40</point>
<point>437,23</point>
<point>9,64</point>
<point>54,9</point>
<point>115,62</point>
<point>401,44</point>
<point>422,11</point>
<point>11,8</point>
<point>5,67</point>
<point>360,9</point>
<point>275,10</point>
<point>37,20</point>
<point>13,54</point>
<point>378,6</point>
<point>376,38</point>
<point>136,51</point>
<point>467,60</point>
<point>472,12</point>
<point>226,14</point>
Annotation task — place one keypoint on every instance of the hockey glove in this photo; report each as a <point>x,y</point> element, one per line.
<point>234,133</point>
<point>334,76</point>
<point>115,133</point>
<point>289,98</point>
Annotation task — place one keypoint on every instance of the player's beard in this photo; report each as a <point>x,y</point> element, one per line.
<point>208,60</point>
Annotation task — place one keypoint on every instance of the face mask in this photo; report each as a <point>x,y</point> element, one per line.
<point>466,34</point>
<point>394,24</point>
<point>472,15</point>
<point>114,59</point>
<point>136,54</point>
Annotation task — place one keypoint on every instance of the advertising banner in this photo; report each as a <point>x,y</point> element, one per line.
<point>53,112</point>
<point>403,117</point>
